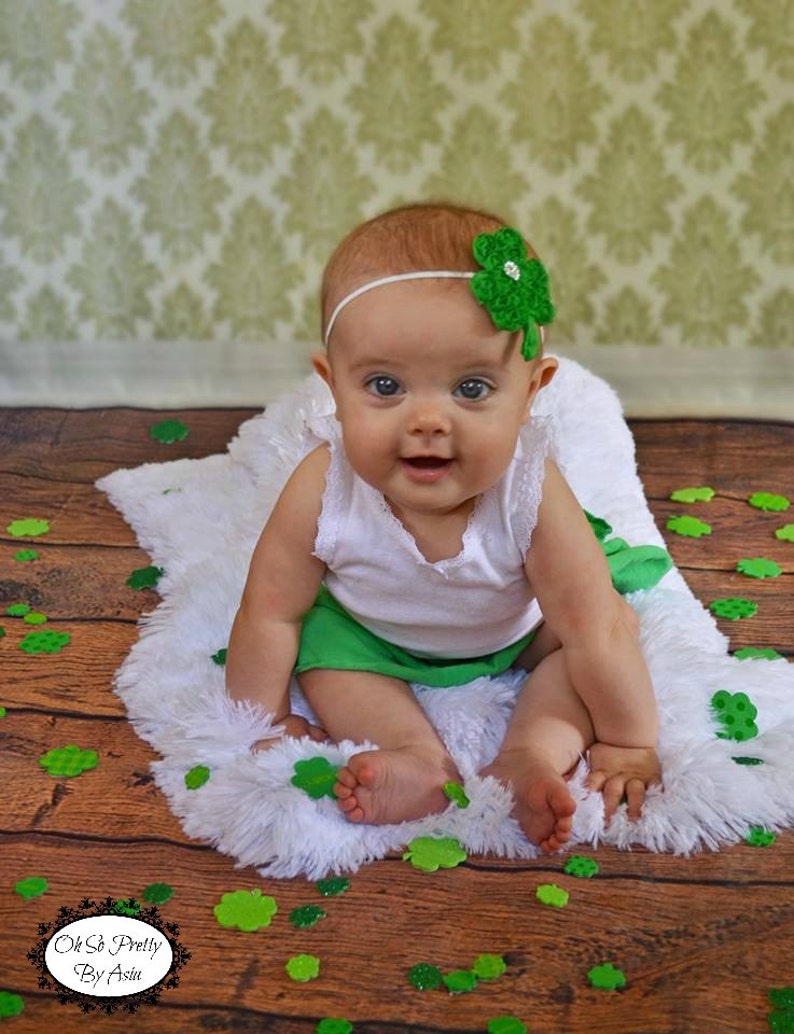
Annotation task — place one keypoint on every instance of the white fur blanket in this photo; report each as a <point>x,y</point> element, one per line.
<point>199,520</point>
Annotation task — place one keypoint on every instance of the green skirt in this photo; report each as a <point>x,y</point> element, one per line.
<point>331,638</point>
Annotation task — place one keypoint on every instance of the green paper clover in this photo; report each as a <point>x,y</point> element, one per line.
<point>23,556</point>
<point>690,527</point>
<point>145,577</point>
<point>737,713</point>
<point>127,907</point>
<point>69,761</point>
<point>10,1004</point>
<point>333,886</point>
<point>506,1025</point>
<point>425,977</point>
<point>306,916</point>
<point>220,657</point>
<point>551,894</point>
<point>169,431</point>
<point>35,617</point>
<point>459,981</point>
<point>44,642</point>
<point>782,997</point>
<point>785,533</point>
<point>158,893</point>
<point>745,760</point>
<point>456,793</point>
<point>31,887</point>
<point>703,494</point>
<point>513,288</point>
<point>580,866</point>
<point>769,501</point>
<point>18,610</point>
<point>316,777</point>
<point>733,608</point>
<point>432,853</point>
<point>28,527</point>
<point>245,910</point>
<point>757,836</point>
<point>755,653</point>
<point>759,567</point>
<point>197,776</point>
<point>303,968</point>
<point>334,1026</point>
<point>606,977</point>
<point>489,967</point>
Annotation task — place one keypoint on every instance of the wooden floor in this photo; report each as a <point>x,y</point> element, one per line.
<point>701,940</point>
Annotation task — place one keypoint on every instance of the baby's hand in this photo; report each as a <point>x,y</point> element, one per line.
<point>620,772</point>
<point>294,727</point>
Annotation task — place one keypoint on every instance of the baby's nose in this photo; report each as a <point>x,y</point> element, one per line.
<point>429,416</point>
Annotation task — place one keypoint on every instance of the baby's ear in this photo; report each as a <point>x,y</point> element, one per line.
<point>323,367</point>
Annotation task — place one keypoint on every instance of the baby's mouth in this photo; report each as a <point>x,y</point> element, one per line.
<point>427,462</point>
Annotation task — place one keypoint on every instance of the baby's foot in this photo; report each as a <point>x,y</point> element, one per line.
<point>383,786</point>
<point>544,806</point>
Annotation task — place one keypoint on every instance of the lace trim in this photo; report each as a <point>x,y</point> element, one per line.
<point>530,474</point>
<point>329,524</point>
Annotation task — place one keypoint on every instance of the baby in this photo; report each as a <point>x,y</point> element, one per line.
<point>433,540</point>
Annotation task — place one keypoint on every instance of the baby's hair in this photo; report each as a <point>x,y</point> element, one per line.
<point>404,240</point>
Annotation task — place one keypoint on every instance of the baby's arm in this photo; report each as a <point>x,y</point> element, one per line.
<point>282,584</point>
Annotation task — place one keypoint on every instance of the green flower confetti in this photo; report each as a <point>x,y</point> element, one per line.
<point>316,777</point>
<point>245,910</point>
<point>551,894</point>
<point>459,981</point>
<point>333,886</point>
<point>35,617</point>
<point>506,1025</point>
<point>606,977</point>
<point>10,1004</point>
<point>690,527</point>
<point>703,494</point>
<point>757,836</point>
<point>743,759</point>
<point>456,793</point>
<point>736,713</point>
<point>306,916</point>
<point>28,527</point>
<point>169,431</point>
<point>25,556</point>
<point>127,907</point>
<point>197,776</point>
<point>44,642</point>
<point>580,866</point>
<point>769,501</point>
<point>220,657</point>
<point>733,608</point>
<point>69,761</point>
<point>785,533</point>
<point>759,567</point>
<point>489,967</point>
<point>145,577</point>
<point>425,977</point>
<point>303,968</point>
<point>158,893</point>
<point>334,1026</point>
<point>31,887</point>
<point>432,853</point>
<point>755,653</point>
<point>18,610</point>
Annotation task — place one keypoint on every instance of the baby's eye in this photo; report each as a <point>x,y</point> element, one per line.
<point>473,389</point>
<point>383,387</point>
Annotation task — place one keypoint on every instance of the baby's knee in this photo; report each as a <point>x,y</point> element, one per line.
<point>628,617</point>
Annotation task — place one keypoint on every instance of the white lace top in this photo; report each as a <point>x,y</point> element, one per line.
<point>472,604</point>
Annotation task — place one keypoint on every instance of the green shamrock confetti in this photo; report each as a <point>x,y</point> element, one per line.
<point>158,893</point>
<point>2,631</point>
<point>145,577</point>
<point>306,916</point>
<point>606,977</point>
<point>506,1025</point>
<point>733,608</point>
<point>754,653</point>
<point>3,712</point>
<point>600,527</point>
<point>551,894</point>
<point>24,556</point>
<point>197,776</point>
<point>456,793</point>
<point>581,866</point>
<point>334,1026</point>
<point>737,713</point>
<point>69,761</point>
<point>44,642</point>
<point>745,760</point>
<point>425,977</point>
<point>489,967</point>
<point>127,907</point>
<point>432,853</point>
<point>169,431</point>
<point>303,968</point>
<point>245,909</point>
<point>781,1022</point>
<point>10,1004</point>
<point>28,527</point>
<point>220,657</point>
<point>316,777</point>
<point>18,610</point>
<point>757,836</point>
<point>459,981</point>
<point>782,997</point>
<point>333,886</point>
<point>35,617</point>
<point>759,567</point>
<point>31,887</point>
<point>690,527</point>
<point>703,494</point>
<point>785,533</point>
<point>769,501</point>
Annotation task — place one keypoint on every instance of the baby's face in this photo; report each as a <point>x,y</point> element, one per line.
<point>430,396</point>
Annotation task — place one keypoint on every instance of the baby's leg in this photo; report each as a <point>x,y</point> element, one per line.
<point>404,779</point>
<point>549,731</point>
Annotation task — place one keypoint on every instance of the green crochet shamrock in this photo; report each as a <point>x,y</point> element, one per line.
<point>785,533</point>
<point>513,288</point>
<point>703,494</point>
<point>425,977</point>
<point>737,713</point>
<point>307,915</point>
<point>489,967</point>
<point>158,893</point>
<point>44,642</point>
<point>245,909</point>
<point>506,1025</point>
<point>28,527</point>
<point>607,977</point>
<point>332,1025</point>
<point>759,567</point>
<point>459,981</point>
<point>551,894</point>
<point>690,527</point>
<point>10,1004</point>
<point>303,968</point>
<point>69,761</point>
<point>169,431</point>
<point>456,793</point>
<point>333,886</point>
<point>432,853</point>
<point>580,866</point>
<point>316,777</point>
<point>31,887</point>
<point>769,501</point>
<point>145,577</point>
<point>733,608</point>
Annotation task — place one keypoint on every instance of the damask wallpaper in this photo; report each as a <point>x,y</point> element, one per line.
<point>177,171</point>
